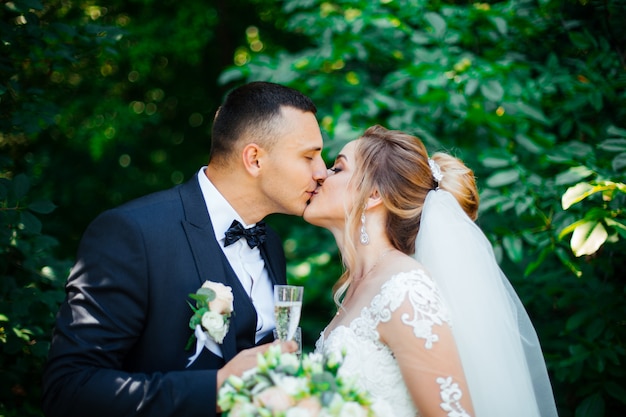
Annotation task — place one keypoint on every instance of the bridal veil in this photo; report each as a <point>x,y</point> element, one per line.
<point>498,345</point>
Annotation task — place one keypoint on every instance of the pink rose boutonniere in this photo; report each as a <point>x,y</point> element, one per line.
<point>211,314</point>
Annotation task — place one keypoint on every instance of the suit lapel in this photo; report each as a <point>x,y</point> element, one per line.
<point>211,262</point>
<point>213,266</point>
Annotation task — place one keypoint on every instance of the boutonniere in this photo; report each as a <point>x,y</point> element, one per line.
<point>211,314</point>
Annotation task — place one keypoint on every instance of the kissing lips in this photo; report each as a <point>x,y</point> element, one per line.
<point>311,193</point>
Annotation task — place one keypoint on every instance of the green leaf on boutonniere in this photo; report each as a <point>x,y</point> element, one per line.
<point>203,296</point>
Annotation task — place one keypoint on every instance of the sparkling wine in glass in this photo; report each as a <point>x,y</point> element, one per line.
<point>287,309</point>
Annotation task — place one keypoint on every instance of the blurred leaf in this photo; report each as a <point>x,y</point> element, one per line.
<point>580,41</point>
<point>471,86</point>
<point>595,98</point>
<point>595,329</point>
<point>616,391</point>
<point>573,174</point>
<point>502,178</point>
<point>492,90</point>
<point>576,320</point>
<point>587,238</point>
<point>489,198</point>
<point>532,112</point>
<point>495,162</point>
<point>26,5</point>
<point>513,247</point>
<point>528,144</point>
<point>616,131</point>
<point>42,206</point>
<point>619,162</point>
<point>613,145</point>
<point>500,24</point>
<point>30,223</point>
<point>578,193</point>
<point>437,23</point>
<point>497,158</point>
<point>523,204</point>
<point>21,185</point>
<point>620,227</point>
<point>575,150</point>
<point>592,406</point>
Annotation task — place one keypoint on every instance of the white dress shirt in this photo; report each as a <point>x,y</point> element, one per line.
<point>247,263</point>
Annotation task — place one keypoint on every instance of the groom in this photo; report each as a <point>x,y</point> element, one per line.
<point>118,348</point>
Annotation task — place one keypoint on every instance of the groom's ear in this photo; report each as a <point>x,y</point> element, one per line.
<point>374,200</point>
<point>251,156</point>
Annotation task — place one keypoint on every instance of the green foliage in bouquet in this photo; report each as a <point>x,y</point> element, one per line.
<point>282,385</point>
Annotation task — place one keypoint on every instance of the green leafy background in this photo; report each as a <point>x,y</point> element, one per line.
<point>104,101</point>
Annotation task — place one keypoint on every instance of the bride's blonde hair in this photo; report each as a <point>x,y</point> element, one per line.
<point>395,164</point>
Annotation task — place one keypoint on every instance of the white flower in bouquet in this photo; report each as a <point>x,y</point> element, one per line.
<point>274,399</point>
<point>243,410</point>
<point>291,385</point>
<point>352,409</point>
<point>283,386</point>
<point>307,407</point>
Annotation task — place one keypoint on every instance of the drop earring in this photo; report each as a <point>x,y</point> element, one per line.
<point>364,238</point>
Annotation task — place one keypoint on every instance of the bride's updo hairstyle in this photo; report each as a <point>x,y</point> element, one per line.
<point>459,181</point>
<point>395,165</point>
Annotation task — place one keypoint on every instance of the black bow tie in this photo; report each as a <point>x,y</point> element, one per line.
<point>254,235</point>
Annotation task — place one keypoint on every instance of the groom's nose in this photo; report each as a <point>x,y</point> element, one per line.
<point>319,170</point>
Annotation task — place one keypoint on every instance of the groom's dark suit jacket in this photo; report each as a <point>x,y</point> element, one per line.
<point>118,347</point>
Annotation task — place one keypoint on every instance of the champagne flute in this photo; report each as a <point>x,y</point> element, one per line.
<point>296,338</point>
<point>287,310</point>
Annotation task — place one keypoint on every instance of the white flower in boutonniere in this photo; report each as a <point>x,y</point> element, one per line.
<point>211,314</point>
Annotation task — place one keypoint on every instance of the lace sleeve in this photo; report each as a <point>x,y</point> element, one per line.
<point>414,323</point>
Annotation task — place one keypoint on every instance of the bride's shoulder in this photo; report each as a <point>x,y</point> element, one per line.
<point>408,280</point>
<point>409,291</point>
<point>404,274</point>
<point>404,268</point>
<point>399,277</point>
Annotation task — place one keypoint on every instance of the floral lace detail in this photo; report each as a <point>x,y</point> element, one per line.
<point>451,395</point>
<point>366,355</point>
<point>372,366</point>
<point>428,307</point>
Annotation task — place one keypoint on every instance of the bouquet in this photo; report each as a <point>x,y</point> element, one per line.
<point>282,385</point>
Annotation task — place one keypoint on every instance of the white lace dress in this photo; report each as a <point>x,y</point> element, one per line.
<point>409,302</point>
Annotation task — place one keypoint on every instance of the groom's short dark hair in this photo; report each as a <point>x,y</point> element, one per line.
<point>253,109</point>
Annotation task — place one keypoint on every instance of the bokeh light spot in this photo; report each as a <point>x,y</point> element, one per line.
<point>124,160</point>
<point>196,120</point>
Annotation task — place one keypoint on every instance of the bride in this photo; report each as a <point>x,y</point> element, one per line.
<point>428,323</point>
